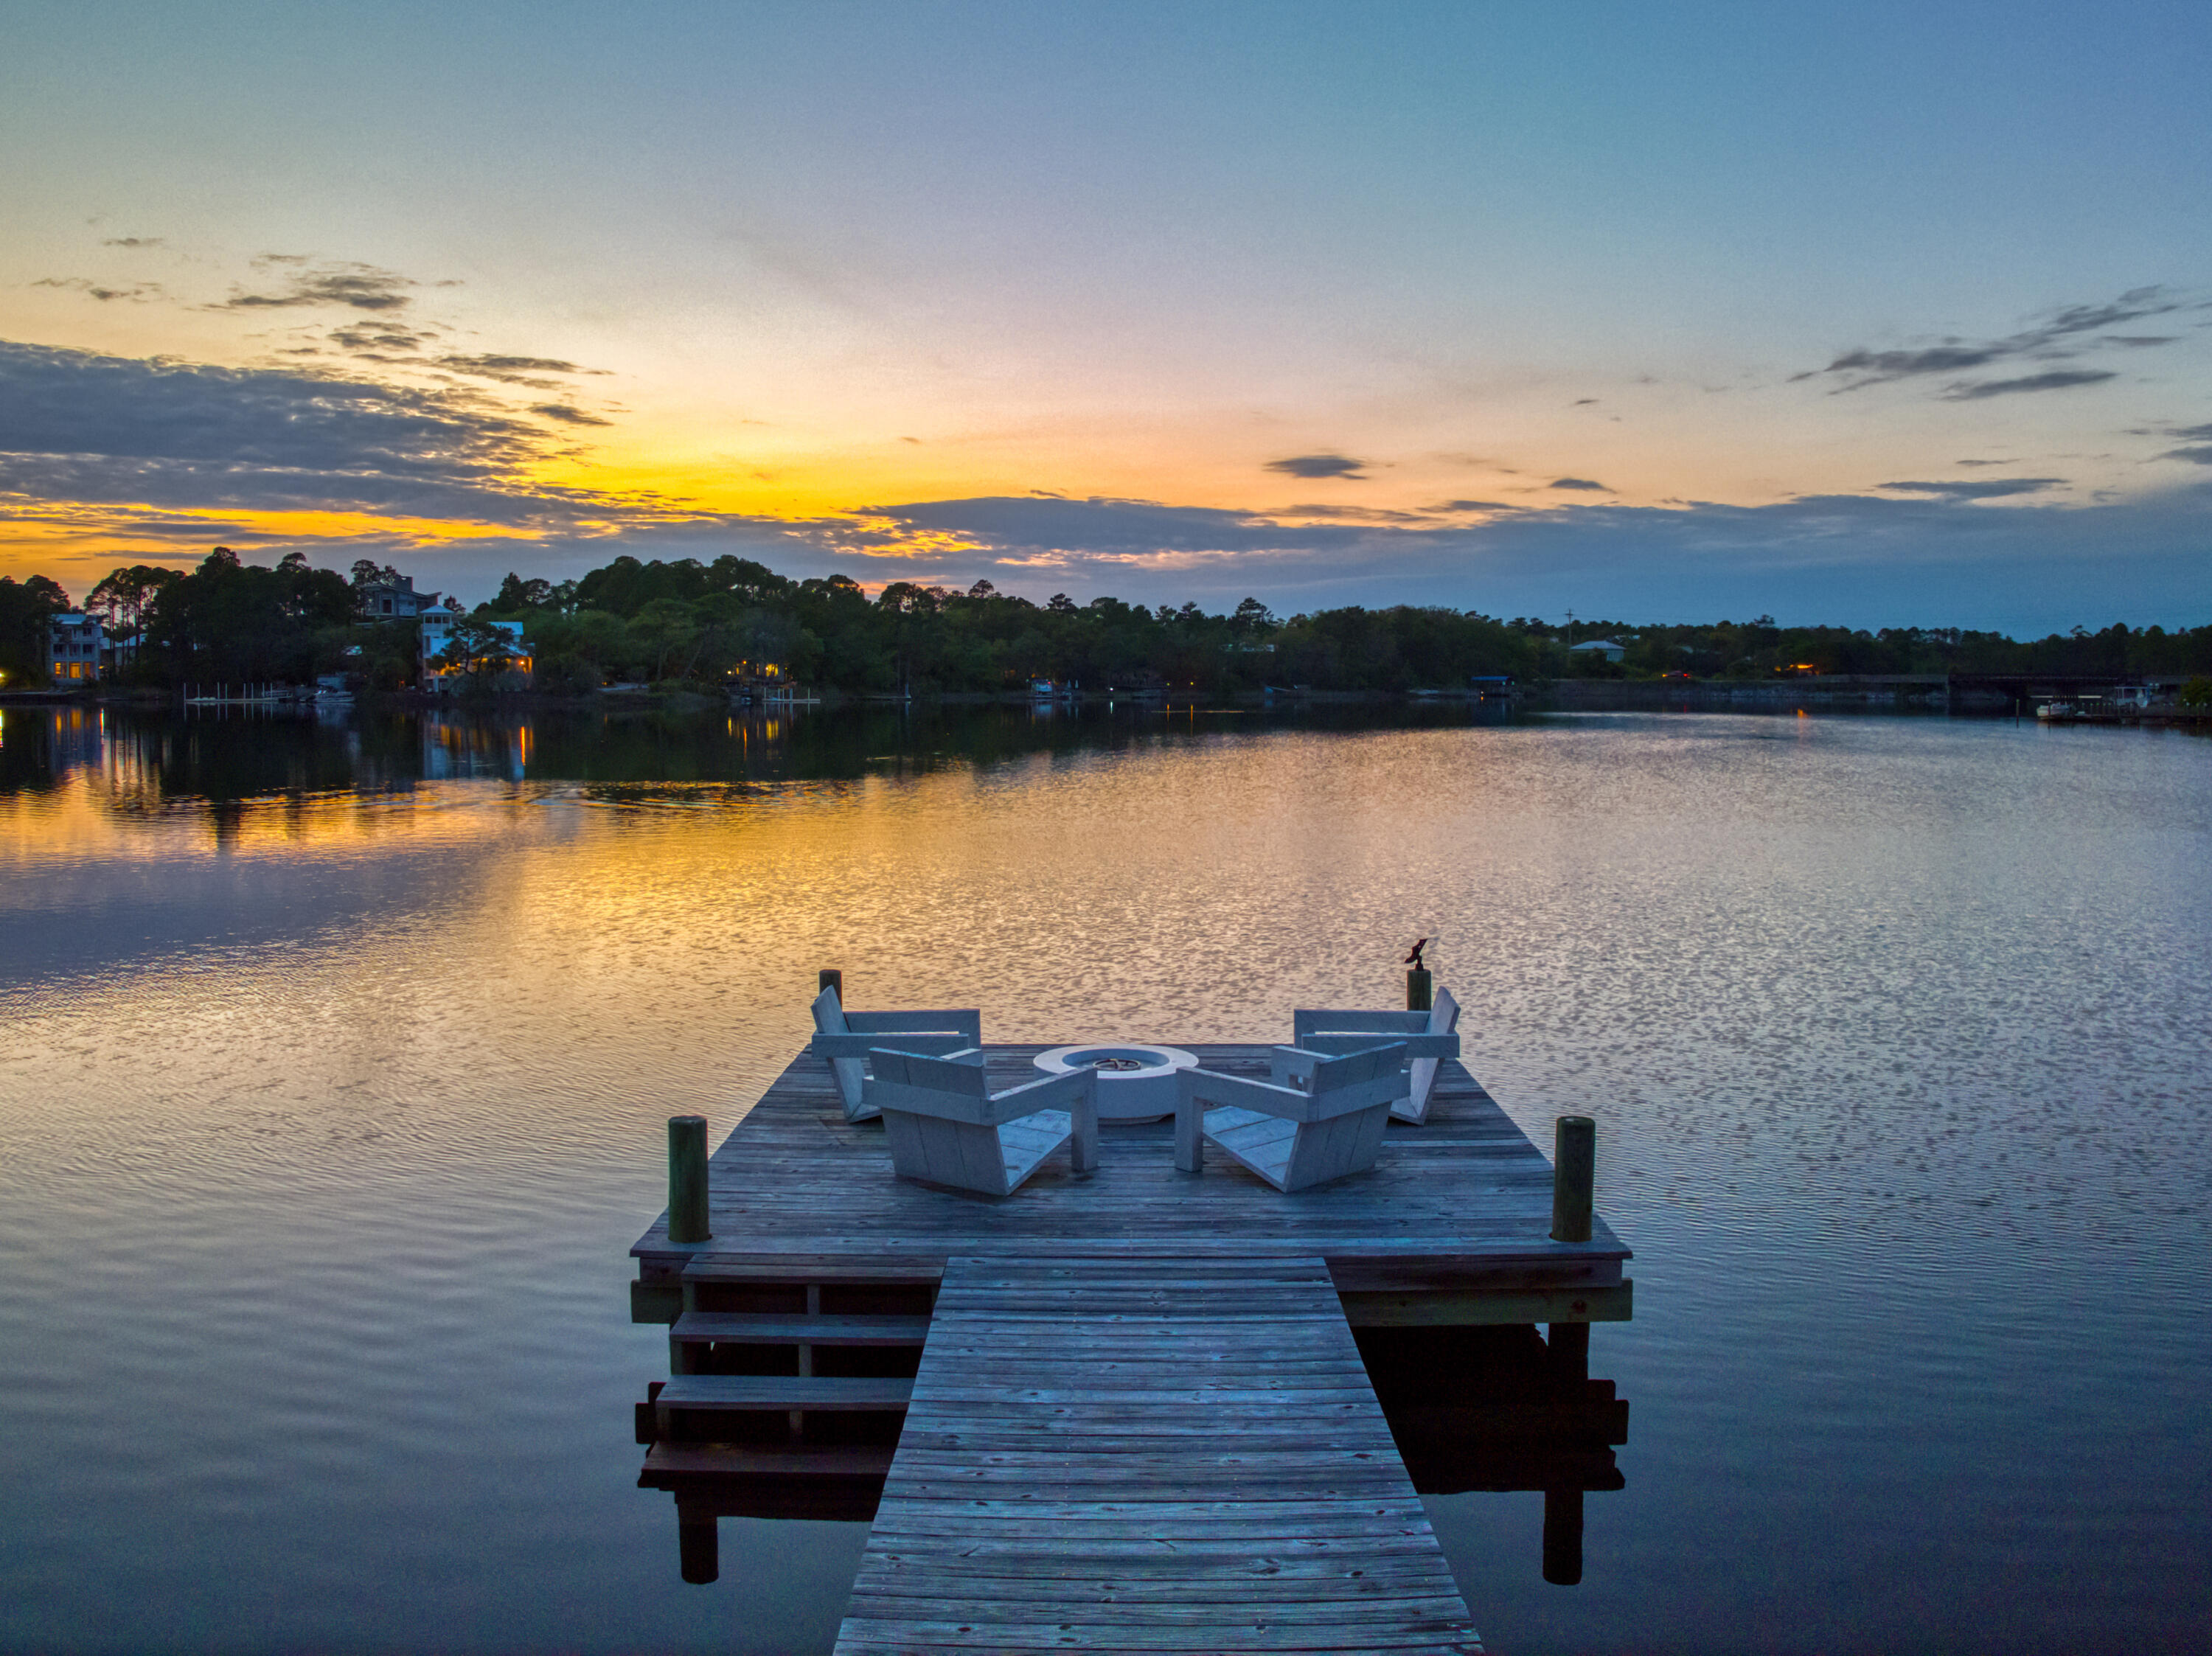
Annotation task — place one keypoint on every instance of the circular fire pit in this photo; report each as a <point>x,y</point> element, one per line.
<point>1135,1084</point>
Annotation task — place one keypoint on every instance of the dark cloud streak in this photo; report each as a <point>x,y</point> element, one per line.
<point>1320,466</point>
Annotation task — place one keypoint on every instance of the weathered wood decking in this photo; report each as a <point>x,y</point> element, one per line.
<point>1139,1420</point>
<point>1143,1454</point>
<point>795,1178</point>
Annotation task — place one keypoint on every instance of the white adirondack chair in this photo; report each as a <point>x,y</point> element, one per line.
<point>1317,1118</point>
<point>947,1127</point>
<point>1429,1037</point>
<point>841,1039</point>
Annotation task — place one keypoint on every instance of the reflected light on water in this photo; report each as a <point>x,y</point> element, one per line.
<point>338,1058</point>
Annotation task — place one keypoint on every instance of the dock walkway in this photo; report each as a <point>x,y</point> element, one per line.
<point>1132,1454</point>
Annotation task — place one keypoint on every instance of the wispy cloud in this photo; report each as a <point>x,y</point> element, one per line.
<point>1320,466</point>
<point>139,291</point>
<point>2051,336</point>
<point>1995,488</point>
<point>2054,380</point>
<point>1583,484</point>
<point>354,286</point>
<point>568,416</point>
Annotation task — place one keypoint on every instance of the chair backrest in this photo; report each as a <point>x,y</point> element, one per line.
<point>1328,1019</point>
<point>953,1089</point>
<point>1443,1016</point>
<point>1336,1075</point>
<point>829,1014</point>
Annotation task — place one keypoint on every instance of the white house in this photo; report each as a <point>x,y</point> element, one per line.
<point>1602,649</point>
<point>438,632</point>
<point>72,647</point>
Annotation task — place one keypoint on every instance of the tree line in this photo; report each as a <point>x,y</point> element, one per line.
<point>705,623</point>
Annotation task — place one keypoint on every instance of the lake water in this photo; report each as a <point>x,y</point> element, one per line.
<point>333,1062</point>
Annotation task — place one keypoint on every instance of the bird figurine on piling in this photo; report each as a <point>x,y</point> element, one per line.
<point>1413,960</point>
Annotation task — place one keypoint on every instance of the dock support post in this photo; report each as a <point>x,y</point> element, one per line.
<point>699,1547</point>
<point>1574,1178</point>
<point>687,1179</point>
<point>830,978</point>
<point>1420,990</point>
<point>1562,1536</point>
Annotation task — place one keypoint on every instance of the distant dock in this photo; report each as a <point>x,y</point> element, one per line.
<point>1138,1409</point>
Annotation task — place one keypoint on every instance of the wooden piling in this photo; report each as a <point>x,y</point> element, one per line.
<point>830,978</point>
<point>687,1178</point>
<point>1420,990</point>
<point>699,1547</point>
<point>1563,1537</point>
<point>1574,1178</point>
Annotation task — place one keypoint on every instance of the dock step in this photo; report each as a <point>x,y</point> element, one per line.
<point>733,1328</point>
<point>665,1460</point>
<point>768,1394</point>
<point>814,1269</point>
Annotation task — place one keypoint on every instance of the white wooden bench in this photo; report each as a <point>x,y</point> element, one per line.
<point>841,1039</point>
<point>1315,1118</point>
<point>1429,1037</point>
<point>947,1127</point>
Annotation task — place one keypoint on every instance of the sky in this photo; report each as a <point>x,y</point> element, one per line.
<point>1879,315</point>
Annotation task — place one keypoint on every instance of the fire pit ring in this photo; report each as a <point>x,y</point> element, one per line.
<point>1135,1084</point>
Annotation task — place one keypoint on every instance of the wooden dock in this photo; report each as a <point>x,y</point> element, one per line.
<point>1127,1411</point>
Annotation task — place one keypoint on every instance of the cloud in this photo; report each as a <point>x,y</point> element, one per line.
<point>1858,560</point>
<point>1369,514</point>
<point>503,368</point>
<point>1320,466</point>
<point>2195,453</point>
<point>1472,506</point>
<point>2053,335</point>
<point>376,337</point>
<point>76,426</point>
<point>1585,402</point>
<point>1995,488</point>
<point>131,241</point>
<point>568,416</point>
<point>2056,380</point>
<point>1582,483</point>
<point>140,291</point>
<point>358,287</point>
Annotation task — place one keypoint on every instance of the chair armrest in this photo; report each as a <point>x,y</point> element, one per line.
<point>1416,1046</point>
<point>1203,1087</point>
<point>859,1046</point>
<point>968,1022</point>
<point>1314,1020</point>
<point>1059,1092</point>
<point>1382,1078</point>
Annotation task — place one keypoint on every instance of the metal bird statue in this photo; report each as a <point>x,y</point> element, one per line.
<point>1413,960</point>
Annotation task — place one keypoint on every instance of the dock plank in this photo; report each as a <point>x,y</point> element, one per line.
<point>1007,1526</point>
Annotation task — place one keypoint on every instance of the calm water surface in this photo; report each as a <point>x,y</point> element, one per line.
<point>333,1061</point>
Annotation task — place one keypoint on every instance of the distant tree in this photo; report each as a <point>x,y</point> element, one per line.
<point>517,595</point>
<point>122,596</point>
<point>477,648</point>
<point>26,608</point>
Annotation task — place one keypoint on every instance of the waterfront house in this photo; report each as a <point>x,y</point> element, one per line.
<point>395,599</point>
<point>74,644</point>
<point>1599,649</point>
<point>438,632</point>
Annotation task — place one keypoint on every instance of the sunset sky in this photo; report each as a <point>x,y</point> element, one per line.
<point>1884,315</point>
